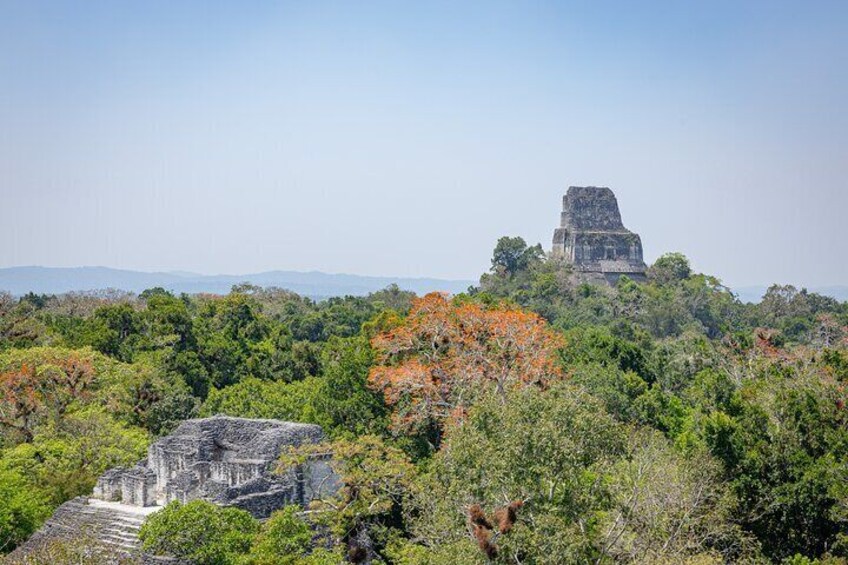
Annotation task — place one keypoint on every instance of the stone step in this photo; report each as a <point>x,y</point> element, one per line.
<point>108,523</point>
<point>101,516</point>
<point>119,533</point>
<point>111,511</point>
<point>106,519</point>
<point>118,542</point>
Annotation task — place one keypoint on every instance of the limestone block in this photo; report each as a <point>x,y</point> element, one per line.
<point>109,485</point>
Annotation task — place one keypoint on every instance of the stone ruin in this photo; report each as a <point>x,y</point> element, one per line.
<point>228,461</point>
<point>223,460</point>
<point>592,239</point>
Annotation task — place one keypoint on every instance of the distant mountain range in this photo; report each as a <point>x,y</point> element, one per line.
<point>55,280</point>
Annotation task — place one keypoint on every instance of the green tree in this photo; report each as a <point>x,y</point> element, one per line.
<point>114,330</point>
<point>199,531</point>
<point>285,539</point>
<point>785,454</point>
<point>169,320</point>
<point>374,479</point>
<point>20,321</point>
<point>668,508</point>
<point>553,450</point>
<point>595,344</point>
<point>340,400</point>
<point>670,268</point>
<point>64,460</point>
<point>512,255</point>
<point>255,398</point>
<point>343,402</point>
<point>22,510</point>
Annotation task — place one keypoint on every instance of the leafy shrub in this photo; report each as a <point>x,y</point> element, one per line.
<point>22,509</point>
<point>284,540</point>
<point>199,531</point>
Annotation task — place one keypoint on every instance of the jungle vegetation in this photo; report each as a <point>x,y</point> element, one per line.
<point>534,419</point>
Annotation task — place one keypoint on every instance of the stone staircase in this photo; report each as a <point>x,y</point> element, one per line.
<point>112,526</point>
<point>224,460</point>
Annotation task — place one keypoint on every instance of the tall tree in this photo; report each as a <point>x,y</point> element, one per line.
<point>512,255</point>
<point>447,354</point>
<point>32,391</point>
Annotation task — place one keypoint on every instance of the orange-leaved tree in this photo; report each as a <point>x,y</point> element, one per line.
<point>31,392</point>
<point>447,353</point>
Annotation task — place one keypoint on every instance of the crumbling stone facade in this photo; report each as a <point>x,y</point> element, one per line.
<point>224,460</point>
<point>229,461</point>
<point>592,239</point>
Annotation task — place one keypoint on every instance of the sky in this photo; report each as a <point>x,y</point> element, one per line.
<point>403,139</point>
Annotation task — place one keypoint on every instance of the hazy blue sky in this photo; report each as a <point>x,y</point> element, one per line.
<point>404,138</point>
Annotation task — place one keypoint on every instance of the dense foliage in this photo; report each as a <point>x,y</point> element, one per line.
<point>536,419</point>
<point>199,531</point>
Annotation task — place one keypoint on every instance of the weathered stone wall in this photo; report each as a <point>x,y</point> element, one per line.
<point>227,461</point>
<point>590,208</point>
<point>592,238</point>
<point>220,459</point>
<point>109,485</point>
<point>138,486</point>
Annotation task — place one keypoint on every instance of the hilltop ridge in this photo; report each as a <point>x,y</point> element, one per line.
<point>315,284</point>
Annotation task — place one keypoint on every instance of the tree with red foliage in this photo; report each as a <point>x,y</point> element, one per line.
<point>446,354</point>
<point>31,392</point>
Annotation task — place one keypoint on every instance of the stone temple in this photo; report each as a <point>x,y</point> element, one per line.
<point>592,239</point>
<point>224,460</point>
<point>221,459</point>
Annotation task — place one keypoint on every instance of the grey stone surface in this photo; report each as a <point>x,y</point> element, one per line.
<point>593,240</point>
<point>220,459</point>
<point>138,486</point>
<point>224,460</point>
<point>112,526</point>
<point>110,485</point>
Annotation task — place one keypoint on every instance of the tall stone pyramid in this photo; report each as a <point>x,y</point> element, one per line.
<point>592,238</point>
